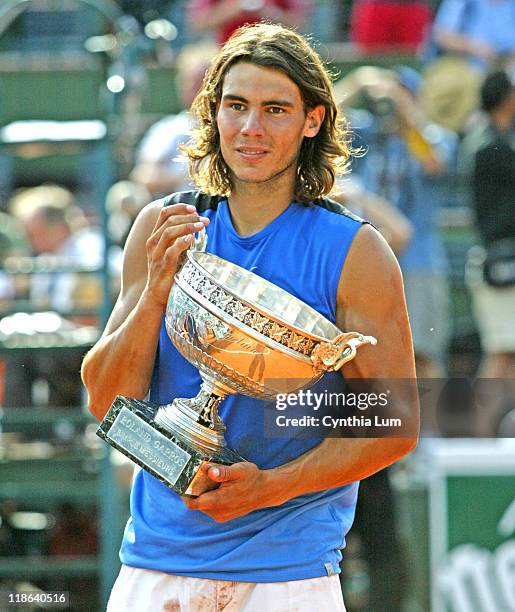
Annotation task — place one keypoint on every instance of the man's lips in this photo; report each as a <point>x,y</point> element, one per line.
<point>252,153</point>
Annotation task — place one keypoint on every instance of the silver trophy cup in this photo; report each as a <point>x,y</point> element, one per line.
<point>245,335</point>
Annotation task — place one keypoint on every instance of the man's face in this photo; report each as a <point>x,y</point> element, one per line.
<point>262,123</point>
<point>512,106</point>
<point>44,237</point>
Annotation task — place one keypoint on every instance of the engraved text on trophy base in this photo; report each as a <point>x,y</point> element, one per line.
<point>148,445</point>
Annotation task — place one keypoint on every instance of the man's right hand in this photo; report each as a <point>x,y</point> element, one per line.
<point>121,363</point>
<point>172,235</point>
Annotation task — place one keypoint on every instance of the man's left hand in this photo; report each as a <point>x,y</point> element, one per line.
<point>242,489</point>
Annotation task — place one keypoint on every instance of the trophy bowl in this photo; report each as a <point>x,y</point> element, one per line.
<point>241,330</point>
<point>245,335</point>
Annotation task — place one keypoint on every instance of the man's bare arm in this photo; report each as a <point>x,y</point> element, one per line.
<point>121,362</point>
<point>370,300</point>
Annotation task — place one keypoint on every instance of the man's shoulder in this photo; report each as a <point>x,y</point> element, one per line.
<point>372,248</point>
<point>334,219</point>
<point>202,201</point>
<point>332,206</point>
<point>487,144</point>
<point>371,266</point>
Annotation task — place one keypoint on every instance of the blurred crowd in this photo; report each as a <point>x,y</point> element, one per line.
<point>434,133</point>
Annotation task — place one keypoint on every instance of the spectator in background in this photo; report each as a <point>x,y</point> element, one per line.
<point>488,156</point>
<point>389,25</point>
<point>481,30</point>
<point>54,226</point>
<point>159,166</point>
<point>223,17</point>
<point>468,38</point>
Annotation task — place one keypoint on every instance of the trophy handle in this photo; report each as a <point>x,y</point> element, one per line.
<point>330,356</point>
<point>200,241</point>
<point>198,245</point>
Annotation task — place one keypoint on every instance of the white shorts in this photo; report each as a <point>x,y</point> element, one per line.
<point>142,590</point>
<point>494,311</point>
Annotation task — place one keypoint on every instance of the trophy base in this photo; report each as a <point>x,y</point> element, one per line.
<point>130,427</point>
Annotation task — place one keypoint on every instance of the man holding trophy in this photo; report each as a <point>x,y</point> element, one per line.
<point>285,270</point>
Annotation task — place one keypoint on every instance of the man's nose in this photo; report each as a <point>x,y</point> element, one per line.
<point>253,123</point>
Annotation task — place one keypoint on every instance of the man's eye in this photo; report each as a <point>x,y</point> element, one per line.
<point>276,110</point>
<point>236,106</point>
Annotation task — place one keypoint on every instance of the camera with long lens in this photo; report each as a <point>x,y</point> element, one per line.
<point>383,108</point>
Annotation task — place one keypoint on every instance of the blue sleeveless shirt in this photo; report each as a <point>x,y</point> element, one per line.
<point>303,251</point>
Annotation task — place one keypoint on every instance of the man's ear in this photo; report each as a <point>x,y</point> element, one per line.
<point>314,120</point>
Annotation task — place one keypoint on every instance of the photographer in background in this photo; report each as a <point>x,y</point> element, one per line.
<point>407,161</point>
<point>488,159</point>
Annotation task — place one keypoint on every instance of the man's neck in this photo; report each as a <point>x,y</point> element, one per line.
<point>254,206</point>
<point>502,119</point>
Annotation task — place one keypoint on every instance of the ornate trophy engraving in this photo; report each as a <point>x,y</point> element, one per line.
<point>240,331</point>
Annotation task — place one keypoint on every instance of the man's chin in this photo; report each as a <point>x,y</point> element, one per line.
<point>261,178</point>
<point>252,180</point>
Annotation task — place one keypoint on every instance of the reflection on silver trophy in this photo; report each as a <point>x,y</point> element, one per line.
<point>245,335</point>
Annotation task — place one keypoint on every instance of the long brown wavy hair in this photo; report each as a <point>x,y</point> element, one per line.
<point>321,158</point>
